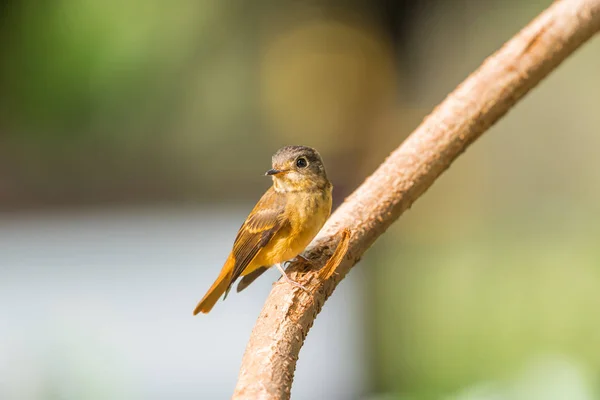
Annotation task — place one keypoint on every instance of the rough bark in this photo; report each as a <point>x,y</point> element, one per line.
<point>269,362</point>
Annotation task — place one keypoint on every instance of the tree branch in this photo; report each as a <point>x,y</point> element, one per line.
<point>482,99</point>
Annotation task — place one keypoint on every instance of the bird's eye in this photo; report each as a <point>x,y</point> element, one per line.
<point>301,162</point>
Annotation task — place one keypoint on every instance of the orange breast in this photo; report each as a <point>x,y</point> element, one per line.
<point>306,214</point>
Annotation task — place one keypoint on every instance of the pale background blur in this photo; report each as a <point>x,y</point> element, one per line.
<point>133,139</point>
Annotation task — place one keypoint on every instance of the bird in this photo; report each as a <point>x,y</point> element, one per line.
<point>280,226</point>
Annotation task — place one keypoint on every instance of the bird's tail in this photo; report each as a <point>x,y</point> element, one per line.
<point>217,289</point>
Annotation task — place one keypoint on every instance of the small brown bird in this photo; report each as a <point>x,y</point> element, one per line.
<point>283,222</point>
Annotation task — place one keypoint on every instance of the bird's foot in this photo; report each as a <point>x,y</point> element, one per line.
<point>289,280</point>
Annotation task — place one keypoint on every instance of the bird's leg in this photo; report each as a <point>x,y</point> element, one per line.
<point>288,279</point>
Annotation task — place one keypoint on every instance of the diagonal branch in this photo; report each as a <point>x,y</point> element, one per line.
<point>482,99</point>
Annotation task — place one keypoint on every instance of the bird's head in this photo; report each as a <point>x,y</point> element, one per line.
<point>297,168</point>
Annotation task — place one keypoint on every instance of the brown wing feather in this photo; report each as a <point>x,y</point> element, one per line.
<point>251,277</point>
<point>260,226</point>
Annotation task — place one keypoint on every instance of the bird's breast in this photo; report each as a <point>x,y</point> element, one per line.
<point>305,215</point>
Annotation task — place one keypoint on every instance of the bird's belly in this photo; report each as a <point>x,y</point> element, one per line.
<point>289,246</point>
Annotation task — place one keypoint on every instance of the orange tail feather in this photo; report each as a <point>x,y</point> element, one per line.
<point>217,289</point>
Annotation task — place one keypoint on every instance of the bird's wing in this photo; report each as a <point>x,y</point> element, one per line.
<point>263,222</point>
<point>251,277</point>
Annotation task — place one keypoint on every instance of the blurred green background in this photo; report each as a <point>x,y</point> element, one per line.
<point>486,289</point>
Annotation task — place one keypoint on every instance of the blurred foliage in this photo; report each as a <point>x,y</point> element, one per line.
<point>136,101</point>
<point>485,303</point>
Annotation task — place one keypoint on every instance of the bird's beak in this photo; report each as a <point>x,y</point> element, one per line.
<point>273,172</point>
